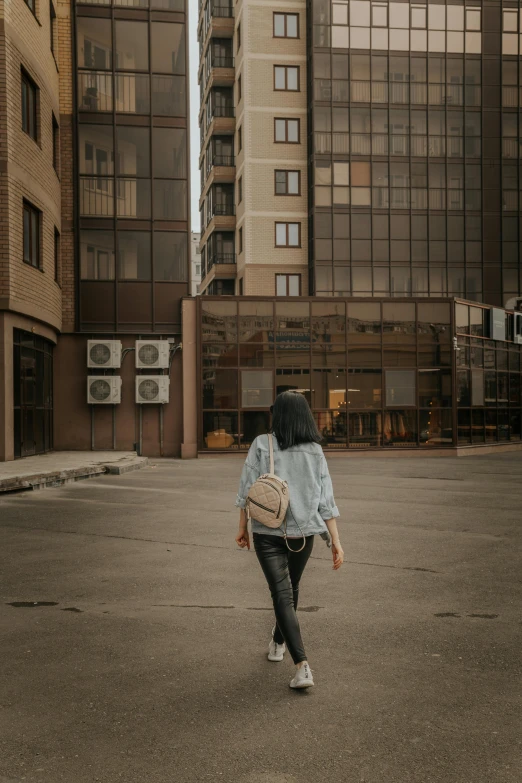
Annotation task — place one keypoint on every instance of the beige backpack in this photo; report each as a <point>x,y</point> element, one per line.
<point>268,498</point>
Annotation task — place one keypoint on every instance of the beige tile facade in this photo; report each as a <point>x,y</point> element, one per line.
<point>260,104</point>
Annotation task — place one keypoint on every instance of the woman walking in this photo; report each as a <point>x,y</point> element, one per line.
<point>298,459</point>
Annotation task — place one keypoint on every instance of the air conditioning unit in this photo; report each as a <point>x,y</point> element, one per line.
<point>104,353</point>
<point>151,389</point>
<point>103,389</point>
<point>152,354</point>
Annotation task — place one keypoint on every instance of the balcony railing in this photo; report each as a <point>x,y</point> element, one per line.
<point>95,91</point>
<point>222,258</point>
<point>222,210</point>
<point>97,196</point>
<point>223,160</point>
<point>221,61</point>
<point>223,10</point>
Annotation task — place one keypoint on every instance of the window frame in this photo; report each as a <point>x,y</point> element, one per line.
<point>52,32</point>
<point>32,211</point>
<point>286,68</point>
<point>56,144</point>
<point>287,276</point>
<point>30,86</point>
<point>386,10</point>
<point>57,256</point>
<point>419,7</point>
<point>286,120</point>
<point>31,4</point>
<point>287,172</point>
<point>288,223</point>
<point>285,15</point>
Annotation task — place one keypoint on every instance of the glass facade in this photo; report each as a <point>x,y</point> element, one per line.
<point>414,134</point>
<point>391,373</point>
<point>132,164</point>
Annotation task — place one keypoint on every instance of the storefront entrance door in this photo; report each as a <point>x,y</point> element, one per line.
<point>33,399</point>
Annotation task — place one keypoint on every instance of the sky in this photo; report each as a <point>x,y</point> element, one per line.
<point>194,110</point>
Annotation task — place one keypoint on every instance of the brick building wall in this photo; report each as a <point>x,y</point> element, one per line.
<point>26,165</point>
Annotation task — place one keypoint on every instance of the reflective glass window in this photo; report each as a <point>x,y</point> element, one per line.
<point>132,45</point>
<point>168,47</point>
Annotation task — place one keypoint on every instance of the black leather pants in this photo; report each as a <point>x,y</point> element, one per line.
<point>283,570</point>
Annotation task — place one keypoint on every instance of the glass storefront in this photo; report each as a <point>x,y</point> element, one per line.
<point>377,374</point>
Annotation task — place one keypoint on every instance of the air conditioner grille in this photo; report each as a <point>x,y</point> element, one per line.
<point>100,354</point>
<point>100,390</point>
<point>148,354</point>
<point>148,390</point>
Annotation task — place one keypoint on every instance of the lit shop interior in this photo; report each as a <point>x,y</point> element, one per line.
<point>394,374</point>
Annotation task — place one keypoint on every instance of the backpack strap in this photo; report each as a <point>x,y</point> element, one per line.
<point>271,452</point>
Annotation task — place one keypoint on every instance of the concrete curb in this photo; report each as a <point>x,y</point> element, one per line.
<point>58,478</point>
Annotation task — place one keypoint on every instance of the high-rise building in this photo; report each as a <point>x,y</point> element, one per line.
<point>254,205</point>
<point>413,121</point>
<point>94,223</point>
<point>376,144</point>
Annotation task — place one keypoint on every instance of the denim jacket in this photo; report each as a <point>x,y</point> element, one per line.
<point>309,483</point>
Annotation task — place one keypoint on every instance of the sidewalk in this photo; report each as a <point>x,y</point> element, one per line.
<point>60,467</point>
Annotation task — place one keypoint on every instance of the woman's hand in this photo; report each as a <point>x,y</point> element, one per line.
<point>337,554</point>
<point>243,538</point>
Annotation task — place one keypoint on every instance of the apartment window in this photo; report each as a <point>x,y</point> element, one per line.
<point>473,19</point>
<point>240,286</point>
<point>287,183</point>
<point>52,20</point>
<point>286,78</point>
<point>31,6</point>
<point>239,139</point>
<point>418,17</point>
<point>286,25</point>
<point>238,37</point>
<point>239,90</point>
<point>288,285</point>
<point>29,103</point>
<point>287,131</point>
<point>56,145</point>
<point>379,15</point>
<point>510,21</point>
<point>31,235</point>
<point>288,234</point>
<point>241,240</point>
<point>240,190</point>
<point>57,256</point>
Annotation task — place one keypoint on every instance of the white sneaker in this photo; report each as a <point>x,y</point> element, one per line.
<point>275,651</point>
<point>303,677</point>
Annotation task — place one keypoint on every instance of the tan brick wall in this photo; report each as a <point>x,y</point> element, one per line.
<point>260,280</point>
<point>26,166</point>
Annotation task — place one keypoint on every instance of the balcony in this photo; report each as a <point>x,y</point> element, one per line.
<point>216,21</point>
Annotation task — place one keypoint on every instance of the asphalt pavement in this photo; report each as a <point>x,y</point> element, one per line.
<point>133,631</point>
